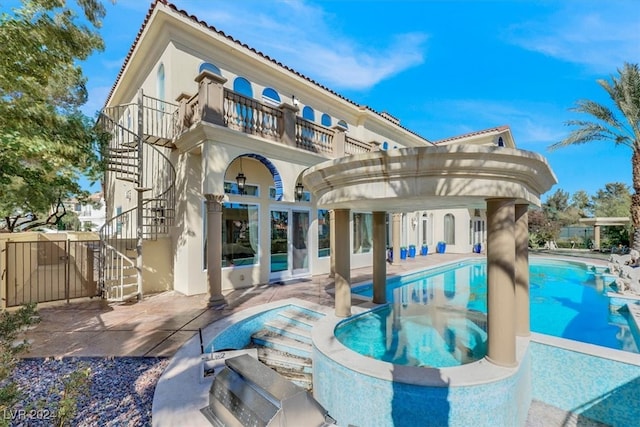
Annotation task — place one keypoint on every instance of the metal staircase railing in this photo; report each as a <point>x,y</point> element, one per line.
<point>140,140</point>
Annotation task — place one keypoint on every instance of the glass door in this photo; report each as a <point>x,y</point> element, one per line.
<point>289,243</point>
<point>279,243</point>
<point>299,232</point>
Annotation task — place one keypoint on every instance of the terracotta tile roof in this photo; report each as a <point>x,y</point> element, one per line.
<point>476,133</point>
<point>245,46</point>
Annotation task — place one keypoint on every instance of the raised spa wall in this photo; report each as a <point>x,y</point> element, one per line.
<point>362,392</point>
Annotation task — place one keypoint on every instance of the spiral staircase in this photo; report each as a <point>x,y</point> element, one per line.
<point>139,136</point>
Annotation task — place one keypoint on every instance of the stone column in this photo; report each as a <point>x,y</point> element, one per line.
<point>332,243</point>
<point>522,270</point>
<point>289,116</point>
<point>396,225</point>
<point>185,116</point>
<point>379,257</point>
<point>214,249</point>
<point>343,263</point>
<point>596,237</point>
<point>211,97</point>
<point>501,253</point>
<point>339,142</point>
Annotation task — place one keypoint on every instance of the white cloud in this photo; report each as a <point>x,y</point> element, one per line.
<point>600,35</point>
<point>311,41</point>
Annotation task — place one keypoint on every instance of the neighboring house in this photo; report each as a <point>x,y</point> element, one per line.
<point>227,133</point>
<point>91,214</point>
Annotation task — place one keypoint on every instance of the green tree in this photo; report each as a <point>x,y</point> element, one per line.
<point>582,202</point>
<point>46,143</point>
<point>556,204</point>
<point>614,200</point>
<point>620,126</point>
<point>69,222</point>
<point>541,228</point>
<point>559,211</point>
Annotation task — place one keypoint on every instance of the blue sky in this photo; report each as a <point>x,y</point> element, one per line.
<point>443,68</point>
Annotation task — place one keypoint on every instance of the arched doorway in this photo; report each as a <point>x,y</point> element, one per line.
<point>259,221</point>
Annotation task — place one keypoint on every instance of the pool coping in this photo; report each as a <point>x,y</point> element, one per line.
<point>479,372</point>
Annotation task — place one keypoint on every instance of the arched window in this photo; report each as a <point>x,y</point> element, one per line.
<point>384,146</point>
<point>500,142</point>
<point>209,67</point>
<point>160,82</point>
<point>343,124</point>
<point>270,96</point>
<point>325,120</point>
<point>243,87</point>
<point>308,113</point>
<point>449,229</point>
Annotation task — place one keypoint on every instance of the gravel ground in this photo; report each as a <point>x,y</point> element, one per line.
<point>121,390</point>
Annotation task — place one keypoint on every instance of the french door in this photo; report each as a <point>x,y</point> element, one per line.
<point>289,242</point>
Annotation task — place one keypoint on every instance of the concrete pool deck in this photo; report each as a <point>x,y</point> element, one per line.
<point>160,324</point>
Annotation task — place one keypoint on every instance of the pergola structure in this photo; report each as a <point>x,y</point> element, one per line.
<point>598,222</point>
<point>504,180</point>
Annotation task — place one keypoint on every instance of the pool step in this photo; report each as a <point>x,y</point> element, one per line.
<point>295,368</point>
<point>303,318</point>
<point>284,344</point>
<point>275,340</point>
<point>289,329</point>
<point>281,360</point>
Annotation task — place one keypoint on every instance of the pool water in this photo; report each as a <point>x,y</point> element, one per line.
<point>438,317</point>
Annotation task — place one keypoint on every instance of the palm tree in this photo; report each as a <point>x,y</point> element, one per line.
<point>624,91</point>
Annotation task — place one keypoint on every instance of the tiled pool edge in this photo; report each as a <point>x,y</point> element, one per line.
<point>388,394</point>
<point>599,383</point>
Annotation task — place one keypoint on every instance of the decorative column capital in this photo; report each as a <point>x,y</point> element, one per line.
<point>214,202</point>
<point>208,76</point>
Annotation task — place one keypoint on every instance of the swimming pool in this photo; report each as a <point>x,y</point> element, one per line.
<point>437,317</point>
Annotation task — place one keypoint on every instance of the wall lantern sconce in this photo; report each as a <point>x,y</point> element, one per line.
<point>299,191</point>
<point>414,222</point>
<point>241,179</point>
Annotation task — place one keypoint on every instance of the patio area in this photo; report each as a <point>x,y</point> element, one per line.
<point>161,323</point>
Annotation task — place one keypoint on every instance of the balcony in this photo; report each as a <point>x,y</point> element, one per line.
<point>221,106</point>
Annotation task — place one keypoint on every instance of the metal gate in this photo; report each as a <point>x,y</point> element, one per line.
<point>40,271</point>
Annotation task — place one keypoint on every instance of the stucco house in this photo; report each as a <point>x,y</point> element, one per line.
<point>209,140</point>
<point>91,213</point>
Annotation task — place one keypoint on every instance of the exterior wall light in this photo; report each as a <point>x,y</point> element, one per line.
<point>241,180</point>
<point>299,191</point>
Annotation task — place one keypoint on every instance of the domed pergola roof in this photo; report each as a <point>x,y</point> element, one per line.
<point>454,176</point>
